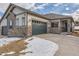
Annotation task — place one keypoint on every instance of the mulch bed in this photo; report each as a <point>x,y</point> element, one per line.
<point>76,33</point>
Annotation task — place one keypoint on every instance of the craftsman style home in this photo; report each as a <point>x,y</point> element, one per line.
<point>18,21</point>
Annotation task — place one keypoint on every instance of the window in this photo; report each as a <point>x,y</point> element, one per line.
<point>23,21</point>
<point>17,22</point>
<point>23,17</point>
<point>10,22</point>
<point>54,24</point>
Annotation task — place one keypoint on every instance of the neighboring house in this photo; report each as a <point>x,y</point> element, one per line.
<point>19,21</point>
<point>76,25</point>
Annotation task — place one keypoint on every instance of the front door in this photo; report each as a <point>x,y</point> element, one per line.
<point>64,26</point>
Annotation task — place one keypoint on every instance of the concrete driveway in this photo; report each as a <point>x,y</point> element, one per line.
<point>68,45</point>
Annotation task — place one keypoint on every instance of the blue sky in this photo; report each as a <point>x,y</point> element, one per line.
<point>63,8</point>
<point>44,8</point>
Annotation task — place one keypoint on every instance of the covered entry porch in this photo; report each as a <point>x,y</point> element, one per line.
<point>61,26</point>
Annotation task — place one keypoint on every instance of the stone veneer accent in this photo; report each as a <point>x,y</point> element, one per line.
<point>48,27</point>
<point>29,28</point>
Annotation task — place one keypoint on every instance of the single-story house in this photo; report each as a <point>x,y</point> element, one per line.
<point>18,21</point>
<point>76,25</point>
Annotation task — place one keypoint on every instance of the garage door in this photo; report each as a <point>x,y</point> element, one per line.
<point>38,27</point>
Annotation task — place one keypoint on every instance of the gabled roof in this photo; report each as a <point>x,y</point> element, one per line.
<point>49,16</point>
<point>28,11</point>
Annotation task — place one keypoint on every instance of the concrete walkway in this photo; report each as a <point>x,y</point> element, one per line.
<point>68,45</point>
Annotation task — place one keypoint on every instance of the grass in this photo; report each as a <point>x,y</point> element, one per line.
<point>15,46</point>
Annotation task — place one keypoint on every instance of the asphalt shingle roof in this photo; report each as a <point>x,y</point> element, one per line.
<point>55,16</point>
<point>49,16</point>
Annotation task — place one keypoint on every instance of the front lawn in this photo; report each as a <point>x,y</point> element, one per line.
<point>32,46</point>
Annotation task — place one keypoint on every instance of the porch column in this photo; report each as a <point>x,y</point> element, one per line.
<point>72,26</point>
<point>68,26</point>
<point>29,25</point>
<point>13,18</point>
<point>59,26</point>
<point>8,25</point>
<point>48,26</point>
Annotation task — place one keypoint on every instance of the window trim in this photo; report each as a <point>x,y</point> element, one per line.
<point>17,21</point>
<point>23,21</point>
<point>54,24</point>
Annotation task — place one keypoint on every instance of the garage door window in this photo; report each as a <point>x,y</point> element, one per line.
<point>39,22</point>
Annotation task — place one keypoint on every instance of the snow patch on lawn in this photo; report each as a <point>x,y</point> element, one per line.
<point>7,53</point>
<point>41,47</point>
<point>35,47</point>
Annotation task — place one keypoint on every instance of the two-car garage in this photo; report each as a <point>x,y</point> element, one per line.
<point>38,27</point>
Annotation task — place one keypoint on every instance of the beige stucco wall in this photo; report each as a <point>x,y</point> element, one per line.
<point>21,30</point>
<point>33,17</point>
<point>20,18</point>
